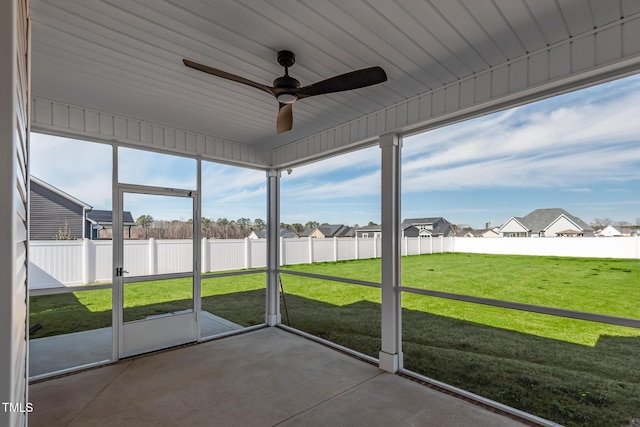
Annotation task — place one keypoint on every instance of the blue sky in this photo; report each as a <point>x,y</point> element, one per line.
<point>579,151</point>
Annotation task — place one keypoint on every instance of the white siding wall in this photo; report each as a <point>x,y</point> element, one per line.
<point>513,227</point>
<point>14,89</point>
<point>560,225</point>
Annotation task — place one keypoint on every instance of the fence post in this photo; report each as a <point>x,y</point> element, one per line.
<point>282,260</point>
<point>406,246</point>
<point>335,248</point>
<point>152,256</point>
<point>357,248</point>
<point>86,261</point>
<point>419,245</point>
<point>375,246</point>
<point>205,255</point>
<point>310,250</point>
<point>247,253</point>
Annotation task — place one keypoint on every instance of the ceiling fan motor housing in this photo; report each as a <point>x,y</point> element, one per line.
<point>286,58</point>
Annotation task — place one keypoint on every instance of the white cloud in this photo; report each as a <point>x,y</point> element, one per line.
<point>578,190</point>
<point>571,145</point>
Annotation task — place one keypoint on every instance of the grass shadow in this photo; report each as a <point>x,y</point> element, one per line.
<point>571,384</point>
<point>244,308</point>
<point>62,314</point>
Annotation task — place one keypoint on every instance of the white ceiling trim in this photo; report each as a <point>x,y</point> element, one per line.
<point>57,118</point>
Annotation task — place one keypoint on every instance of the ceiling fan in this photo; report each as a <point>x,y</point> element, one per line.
<point>287,90</point>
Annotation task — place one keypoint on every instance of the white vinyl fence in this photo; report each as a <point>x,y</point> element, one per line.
<point>80,262</point>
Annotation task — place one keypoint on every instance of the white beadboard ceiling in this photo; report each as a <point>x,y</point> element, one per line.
<point>125,56</point>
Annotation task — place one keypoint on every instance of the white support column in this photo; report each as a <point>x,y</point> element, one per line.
<point>391,351</point>
<point>272,313</point>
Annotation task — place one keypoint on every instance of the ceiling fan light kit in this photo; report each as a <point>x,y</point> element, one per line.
<point>287,90</point>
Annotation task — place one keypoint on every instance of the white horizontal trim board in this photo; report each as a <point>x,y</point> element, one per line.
<point>606,53</point>
<point>62,119</point>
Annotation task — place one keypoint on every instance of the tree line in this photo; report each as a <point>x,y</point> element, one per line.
<point>222,228</point>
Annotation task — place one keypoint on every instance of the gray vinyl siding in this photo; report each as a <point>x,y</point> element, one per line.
<point>49,212</point>
<point>14,184</point>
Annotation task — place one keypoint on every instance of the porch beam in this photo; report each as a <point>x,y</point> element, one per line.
<point>272,313</point>
<point>391,349</point>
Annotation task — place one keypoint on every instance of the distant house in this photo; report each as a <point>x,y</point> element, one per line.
<point>56,214</point>
<point>369,231</point>
<point>609,231</point>
<point>101,223</point>
<point>262,234</point>
<point>426,227</point>
<point>324,231</point>
<point>554,222</point>
<point>485,232</point>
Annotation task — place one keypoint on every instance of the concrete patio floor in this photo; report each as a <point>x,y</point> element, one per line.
<point>265,377</point>
<point>52,354</point>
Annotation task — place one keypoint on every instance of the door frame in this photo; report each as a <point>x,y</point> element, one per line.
<point>185,325</point>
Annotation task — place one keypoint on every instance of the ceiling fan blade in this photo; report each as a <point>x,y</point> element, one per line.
<point>285,118</point>
<point>353,80</point>
<point>228,76</point>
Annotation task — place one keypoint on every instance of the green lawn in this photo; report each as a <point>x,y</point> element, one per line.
<point>573,372</point>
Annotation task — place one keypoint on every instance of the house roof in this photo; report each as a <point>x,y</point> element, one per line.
<point>370,228</point>
<point>330,230</point>
<point>106,217</point>
<point>481,232</point>
<point>420,221</point>
<point>61,193</point>
<point>540,219</point>
<point>287,234</point>
<point>569,231</point>
<point>440,225</point>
